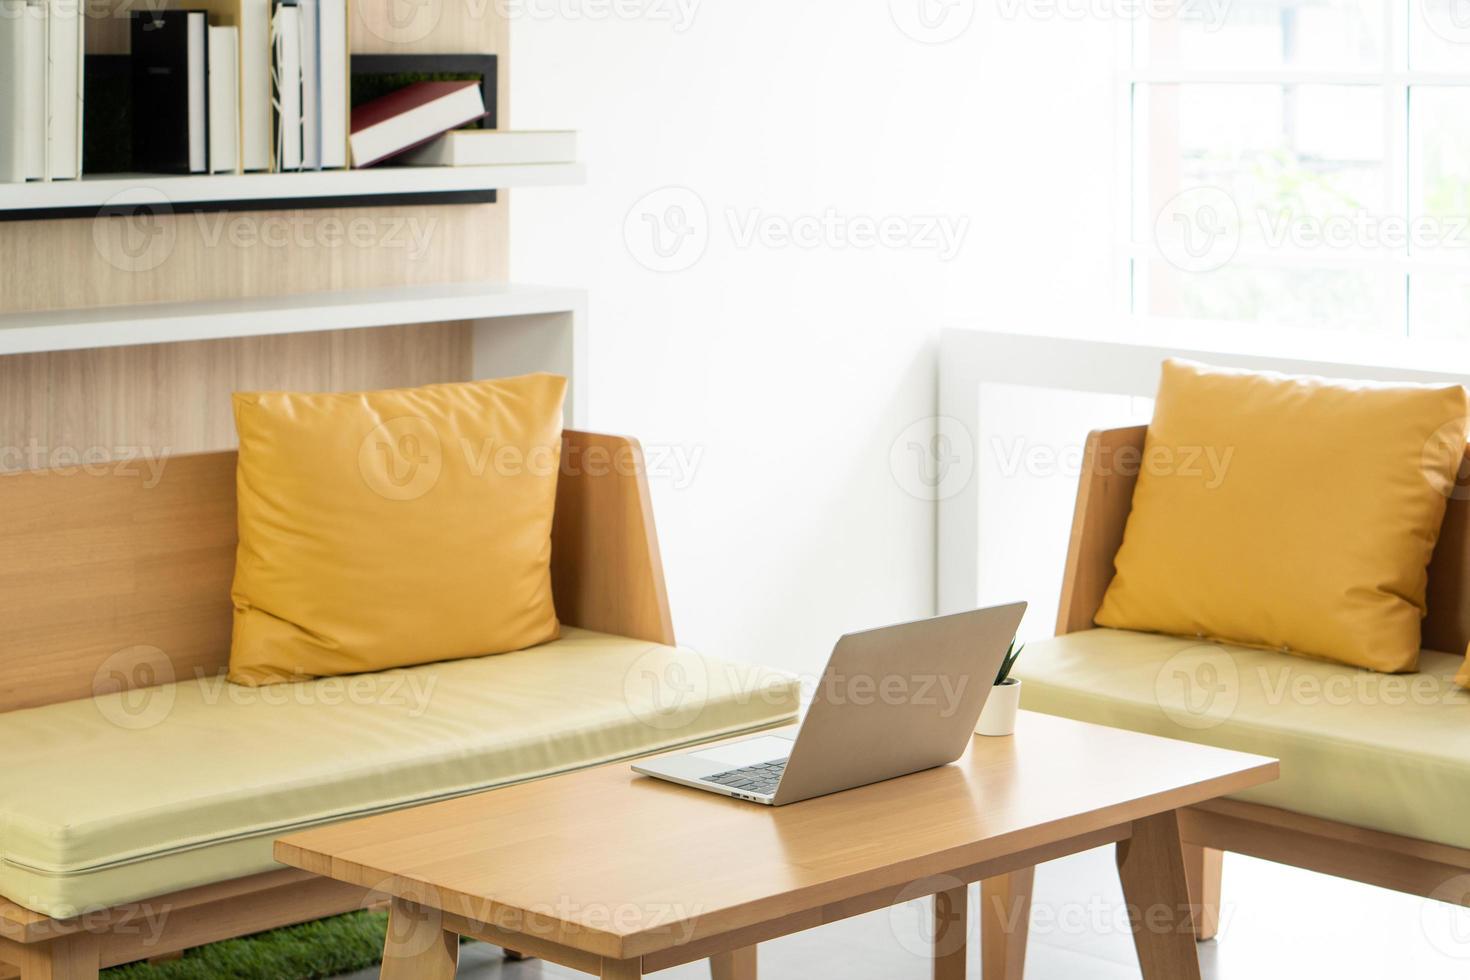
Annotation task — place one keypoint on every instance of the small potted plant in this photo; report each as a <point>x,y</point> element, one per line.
<point>999,714</point>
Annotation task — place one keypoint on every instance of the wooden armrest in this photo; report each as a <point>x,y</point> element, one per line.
<point>606,571</point>
<point>1104,497</point>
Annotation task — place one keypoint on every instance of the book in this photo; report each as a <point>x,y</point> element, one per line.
<point>12,95</point>
<point>286,78</point>
<point>410,116</point>
<point>64,21</point>
<point>224,100</point>
<point>170,104</point>
<point>255,84</point>
<point>252,22</point>
<point>333,65</point>
<point>308,12</point>
<point>489,147</point>
<point>33,90</point>
<point>198,91</point>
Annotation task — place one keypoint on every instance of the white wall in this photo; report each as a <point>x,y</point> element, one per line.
<point>788,372</point>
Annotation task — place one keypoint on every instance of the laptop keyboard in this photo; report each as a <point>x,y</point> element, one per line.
<point>759,778</point>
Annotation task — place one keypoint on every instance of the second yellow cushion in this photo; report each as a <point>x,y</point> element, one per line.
<point>388,528</point>
<point>1289,513</point>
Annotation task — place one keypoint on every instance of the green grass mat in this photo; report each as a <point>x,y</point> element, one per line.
<point>311,951</point>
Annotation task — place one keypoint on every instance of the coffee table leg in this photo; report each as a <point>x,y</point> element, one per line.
<point>621,969</point>
<point>417,946</point>
<point>951,929</point>
<point>1151,866</point>
<point>1005,921</point>
<point>737,964</point>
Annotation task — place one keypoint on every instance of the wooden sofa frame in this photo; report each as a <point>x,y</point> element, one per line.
<point>94,563</point>
<point>1110,468</point>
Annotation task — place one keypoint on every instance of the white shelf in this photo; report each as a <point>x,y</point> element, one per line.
<point>124,191</point>
<point>163,323</point>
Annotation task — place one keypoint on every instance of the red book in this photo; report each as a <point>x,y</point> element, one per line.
<point>410,116</point>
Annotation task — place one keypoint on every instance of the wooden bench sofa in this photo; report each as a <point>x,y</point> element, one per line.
<point>142,793</point>
<point>1375,768</point>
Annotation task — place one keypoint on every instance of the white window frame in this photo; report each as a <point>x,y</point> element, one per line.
<point>1394,78</point>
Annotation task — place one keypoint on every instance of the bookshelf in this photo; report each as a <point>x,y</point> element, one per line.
<point>515,327</point>
<point>374,186</point>
<point>101,352</point>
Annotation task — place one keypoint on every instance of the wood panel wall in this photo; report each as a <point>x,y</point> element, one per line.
<point>177,396</point>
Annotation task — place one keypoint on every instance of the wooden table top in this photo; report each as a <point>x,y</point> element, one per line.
<point>618,864</point>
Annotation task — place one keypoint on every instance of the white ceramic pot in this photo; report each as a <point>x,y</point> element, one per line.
<point>999,715</point>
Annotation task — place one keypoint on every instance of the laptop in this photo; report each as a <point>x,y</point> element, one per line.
<point>892,701</point>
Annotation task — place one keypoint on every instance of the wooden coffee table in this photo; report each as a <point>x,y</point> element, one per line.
<point>619,875</point>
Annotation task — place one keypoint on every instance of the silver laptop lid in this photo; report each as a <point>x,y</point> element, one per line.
<point>897,700</point>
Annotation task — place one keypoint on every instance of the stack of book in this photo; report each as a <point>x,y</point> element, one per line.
<point>236,86</point>
<point>419,125</point>
<point>310,72</point>
<point>240,85</point>
<point>411,116</point>
<point>40,90</point>
<point>490,148</point>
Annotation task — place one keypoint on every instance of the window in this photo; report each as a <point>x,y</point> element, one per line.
<point>1301,161</point>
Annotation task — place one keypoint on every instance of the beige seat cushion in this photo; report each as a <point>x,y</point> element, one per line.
<point>127,797</point>
<point>1387,752</point>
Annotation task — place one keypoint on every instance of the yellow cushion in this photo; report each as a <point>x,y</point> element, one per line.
<point>1390,752</point>
<point>1293,514</point>
<point>137,795</point>
<point>389,528</point>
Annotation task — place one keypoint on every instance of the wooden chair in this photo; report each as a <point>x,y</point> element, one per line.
<point>1404,864</point>
<point>91,564</point>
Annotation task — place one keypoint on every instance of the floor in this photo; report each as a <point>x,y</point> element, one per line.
<point>1275,922</point>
